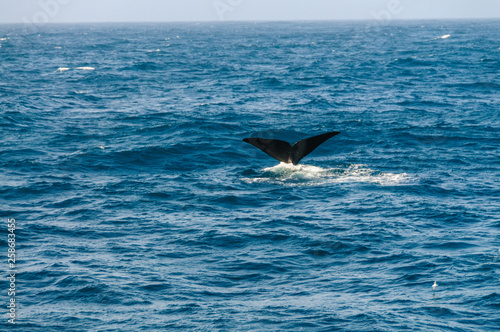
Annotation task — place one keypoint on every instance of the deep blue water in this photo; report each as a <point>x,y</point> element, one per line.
<point>139,207</point>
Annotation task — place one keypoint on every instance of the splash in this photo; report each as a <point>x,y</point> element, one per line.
<point>308,175</point>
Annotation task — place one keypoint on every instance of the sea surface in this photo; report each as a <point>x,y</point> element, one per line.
<point>138,207</point>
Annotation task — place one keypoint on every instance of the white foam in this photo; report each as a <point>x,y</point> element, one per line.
<point>85,68</point>
<point>61,69</point>
<point>296,171</point>
<point>3,39</point>
<point>445,36</point>
<point>360,173</point>
<point>308,175</point>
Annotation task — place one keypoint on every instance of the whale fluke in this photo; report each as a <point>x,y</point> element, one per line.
<point>287,153</point>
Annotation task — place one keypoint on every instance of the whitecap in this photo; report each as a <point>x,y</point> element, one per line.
<point>61,69</point>
<point>361,173</point>
<point>445,36</point>
<point>86,68</point>
<point>309,175</point>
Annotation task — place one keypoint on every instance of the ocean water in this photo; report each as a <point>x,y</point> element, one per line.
<point>139,207</point>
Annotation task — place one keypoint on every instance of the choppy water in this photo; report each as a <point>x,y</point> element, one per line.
<point>139,207</point>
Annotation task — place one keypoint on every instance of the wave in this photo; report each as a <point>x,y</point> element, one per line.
<point>309,175</point>
<point>412,62</point>
<point>63,69</point>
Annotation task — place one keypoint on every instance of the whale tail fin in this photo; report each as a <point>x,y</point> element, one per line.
<point>286,153</point>
<point>304,147</point>
<point>277,149</point>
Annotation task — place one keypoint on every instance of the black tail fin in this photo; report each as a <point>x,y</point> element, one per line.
<point>306,146</point>
<point>284,152</point>
<point>277,149</point>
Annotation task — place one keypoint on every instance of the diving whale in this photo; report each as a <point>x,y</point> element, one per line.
<point>287,153</point>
